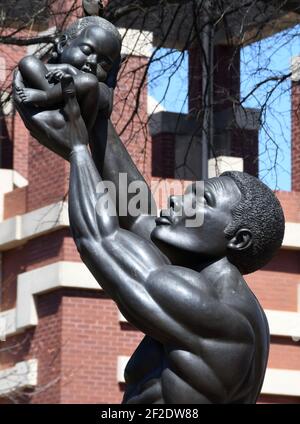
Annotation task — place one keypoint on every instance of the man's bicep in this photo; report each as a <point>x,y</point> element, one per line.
<point>122,265</point>
<point>120,258</point>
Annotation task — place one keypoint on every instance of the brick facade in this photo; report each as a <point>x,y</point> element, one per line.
<point>163,155</point>
<point>296,136</point>
<point>230,139</point>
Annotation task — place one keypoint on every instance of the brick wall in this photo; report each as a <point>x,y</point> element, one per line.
<point>163,155</point>
<point>280,276</point>
<point>36,253</point>
<point>10,56</point>
<point>48,176</point>
<point>44,344</point>
<point>290,202</point>
<point>92,339</point>
<point>296,136</point>
<point>15,202</point>
<point>226,77</point>
<point>6,145</point>
<point>244,144</point>
<point>195,81</point>
<point>130,112</point>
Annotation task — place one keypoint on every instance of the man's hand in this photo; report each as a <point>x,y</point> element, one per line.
<point>76,130</point>
<point>52,128</point>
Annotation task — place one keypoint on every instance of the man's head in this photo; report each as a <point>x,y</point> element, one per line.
<point>260,212</point>
<point>91,44</point>
<point>241,219</point>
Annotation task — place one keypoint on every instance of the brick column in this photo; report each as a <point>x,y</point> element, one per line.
<point>226,77</point>
<point>296,124</point>
<point>163,155</point>
<point>130,112</point>
<point>48,176</point>
<point>15,142</point>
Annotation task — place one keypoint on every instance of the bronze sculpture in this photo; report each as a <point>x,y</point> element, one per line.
<point>206,336</point>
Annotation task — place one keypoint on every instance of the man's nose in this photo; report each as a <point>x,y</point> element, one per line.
<point>175,202</point>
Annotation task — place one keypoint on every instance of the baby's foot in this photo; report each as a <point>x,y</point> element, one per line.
<point>31,95</point>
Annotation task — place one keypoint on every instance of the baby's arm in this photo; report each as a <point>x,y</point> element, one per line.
<point>64,67</point>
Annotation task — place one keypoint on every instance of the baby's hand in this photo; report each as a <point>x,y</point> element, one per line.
<point>55,76</point>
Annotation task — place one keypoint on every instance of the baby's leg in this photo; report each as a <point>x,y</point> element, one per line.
<point>87,93</point>
<point>33,72</point>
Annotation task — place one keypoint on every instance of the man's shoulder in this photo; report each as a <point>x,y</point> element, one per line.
<point>182,278</point>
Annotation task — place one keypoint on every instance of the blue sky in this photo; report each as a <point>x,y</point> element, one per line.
<point>273,57</point>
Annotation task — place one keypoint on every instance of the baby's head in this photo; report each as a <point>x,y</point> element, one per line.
<point>91,44</point>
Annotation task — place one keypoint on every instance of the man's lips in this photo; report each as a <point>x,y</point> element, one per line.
<point>163,219</point>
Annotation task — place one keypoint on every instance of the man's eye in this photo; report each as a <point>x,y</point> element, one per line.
<point>207,198</point>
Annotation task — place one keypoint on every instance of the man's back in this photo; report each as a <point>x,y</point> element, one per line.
<point>205,366</point>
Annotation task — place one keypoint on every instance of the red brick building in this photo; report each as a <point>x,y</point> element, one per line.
<point>63,339</point>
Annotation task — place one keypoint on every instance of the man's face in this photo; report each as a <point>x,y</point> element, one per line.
<point>93,50</point>
<point>212,203</point>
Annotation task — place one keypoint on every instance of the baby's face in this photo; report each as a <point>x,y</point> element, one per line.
<point>93,51</point>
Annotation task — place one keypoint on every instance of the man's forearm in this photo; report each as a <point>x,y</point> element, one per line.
<point>112,158</point>
<point>86,220</point>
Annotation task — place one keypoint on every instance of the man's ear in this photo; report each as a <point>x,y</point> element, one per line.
<point>242,240</point>
<point>60,45</point>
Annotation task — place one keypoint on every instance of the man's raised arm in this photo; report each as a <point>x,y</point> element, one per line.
<point>115,164</point>
<point>161,300</point>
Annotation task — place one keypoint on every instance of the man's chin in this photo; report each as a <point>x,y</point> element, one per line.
<point>163,237</point>
<point>175,246</point>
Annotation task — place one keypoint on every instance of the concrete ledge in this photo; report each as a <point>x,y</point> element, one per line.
<point>292,236</point>
<point>17,230</point>
<point>220,164</point>
<point>174,123</point>
<point>295,68</point>
<point>9,179</point>
<point>247,118</point>
<point>285,324</point>
<point>8,320</point>
<point>135,42</point>
<point>22,375</point>
<point>153,106</point>
<point>42,280</point>
<point>282,382</point>
<point>121,365</point>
